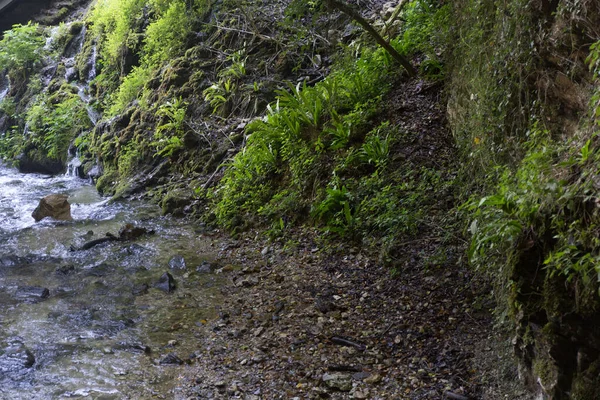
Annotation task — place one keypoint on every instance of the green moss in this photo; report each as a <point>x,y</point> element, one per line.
<point>545,369</point>
<point>106,183</point>
<point>586,383</point>
<point>175,201</point>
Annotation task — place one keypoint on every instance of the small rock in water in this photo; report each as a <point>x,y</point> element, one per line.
<point>32,293</point>
<point>177,263</point>
<point>171,359</point>
<point>9,261</point>
<point>206,268</point>
<point>15,357</point>
<point>131,232</point>
<point>134,249</point>
<point>140,289</point>
<point>54,206</point>
<point>166,283</point>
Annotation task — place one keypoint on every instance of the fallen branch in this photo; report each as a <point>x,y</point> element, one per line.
<point>346,9</point>
<point>345,342</point>
<point>344,368</point>
<point>258,35</point>
<point>93,243</point>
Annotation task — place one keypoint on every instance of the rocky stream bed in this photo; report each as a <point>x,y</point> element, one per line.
<point>190,313</point>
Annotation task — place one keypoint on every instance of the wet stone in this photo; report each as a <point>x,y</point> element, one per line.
<point>133,249</point>
<point>54,206</point>
<point>65,270</point>
<point>15,358</point>
<point>166,283</point>
<point>206,268</point>
<point>101,270</point>
<point>171,359</point>
<point>133,347</point>
<point>338,381</point>
<point>10,261</point>
<point>177,263</point>
<point>32,294</point>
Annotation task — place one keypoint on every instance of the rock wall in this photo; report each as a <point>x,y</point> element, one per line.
<point>43,11</point>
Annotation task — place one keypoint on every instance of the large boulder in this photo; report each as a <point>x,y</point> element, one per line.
<point>55,206</point>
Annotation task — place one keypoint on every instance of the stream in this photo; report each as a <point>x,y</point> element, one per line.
<point>92,324</point>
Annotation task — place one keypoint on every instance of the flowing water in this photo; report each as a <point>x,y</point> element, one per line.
<point>101,329</point>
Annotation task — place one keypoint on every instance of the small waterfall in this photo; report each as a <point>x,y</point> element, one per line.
<point>4,87</point>
<point>74,166</point>
<point>92,71</point>
<point>71,52</point>
<point>51,38</point>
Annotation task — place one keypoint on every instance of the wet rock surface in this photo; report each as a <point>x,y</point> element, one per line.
<point>32,293</point>
<point>54,206</point>
<point>16,359</point>
<point>166,283</point>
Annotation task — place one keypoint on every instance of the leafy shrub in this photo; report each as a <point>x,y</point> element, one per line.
<point>286,150</point>
<point>129,90</point>
<point>21,46</point>
<point>168,136</point>
<point>166,36</point>
<point>54,126</point>
<point>112,21</point>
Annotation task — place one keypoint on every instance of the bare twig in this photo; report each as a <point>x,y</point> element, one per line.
<point>259,35</point>
<point>346,9</point>
<point>345,342</point>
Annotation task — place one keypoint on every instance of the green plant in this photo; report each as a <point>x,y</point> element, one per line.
<point>11,144</point>
<point>129,158</point>
<point>336,211</point>
<point>219,95</point>
<point>376,148</point>
<point>168,136</point>
<point>224,95</point>
<point>284,155</point>
<point>593,61</point>
<point>166,36</point>
<point>129,90</point>
<point>53,126</point>
<point>21,47</point>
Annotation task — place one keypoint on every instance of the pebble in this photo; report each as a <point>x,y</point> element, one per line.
<point>372,379</point>
<point>259,331</point>
<point>338,381</point>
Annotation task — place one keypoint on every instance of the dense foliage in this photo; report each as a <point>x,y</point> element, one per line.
<point>21,47</point>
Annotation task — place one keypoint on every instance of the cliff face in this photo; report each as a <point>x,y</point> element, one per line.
<point>42,11</point>
<point>184,88</point>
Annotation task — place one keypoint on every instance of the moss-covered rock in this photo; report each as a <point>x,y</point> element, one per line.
<point>175,201</point>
